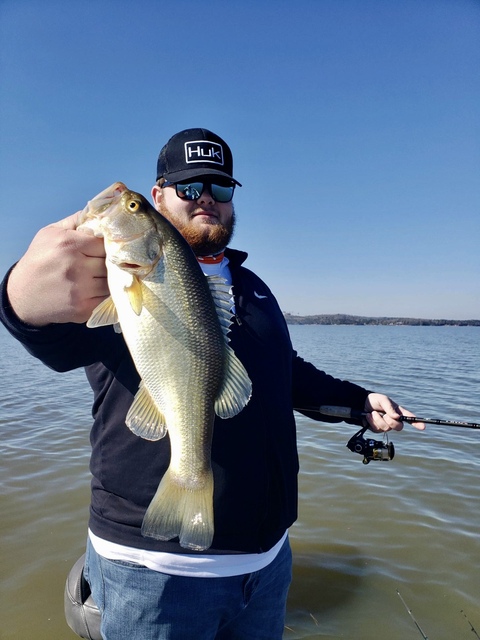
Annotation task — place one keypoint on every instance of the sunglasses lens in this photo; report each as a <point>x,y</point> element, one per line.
<point>191,191</point>
<point>222,194</point>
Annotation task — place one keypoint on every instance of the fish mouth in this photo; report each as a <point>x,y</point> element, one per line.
<point>135,268</point>
<point>104,200</point>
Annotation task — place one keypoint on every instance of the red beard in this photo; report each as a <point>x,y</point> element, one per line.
<point>208,240</point>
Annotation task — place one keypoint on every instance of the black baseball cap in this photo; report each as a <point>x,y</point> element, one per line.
<point>195,152</point>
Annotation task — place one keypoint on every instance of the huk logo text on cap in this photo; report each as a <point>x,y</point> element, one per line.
<point>203,151</point>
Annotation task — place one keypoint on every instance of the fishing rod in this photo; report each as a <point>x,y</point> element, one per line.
<point>372,449</point>
<point>412,616</point>
<point>472,628</point>
<point>347,412</point>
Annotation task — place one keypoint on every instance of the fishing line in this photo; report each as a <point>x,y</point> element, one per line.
<point>412,616</point>
<point>348,413</point>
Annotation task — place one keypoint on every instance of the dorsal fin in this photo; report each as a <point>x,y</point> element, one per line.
<point>223,300</point>
<point>236,388</point>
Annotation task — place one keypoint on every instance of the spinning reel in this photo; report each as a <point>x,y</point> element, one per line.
<point>371,449</point>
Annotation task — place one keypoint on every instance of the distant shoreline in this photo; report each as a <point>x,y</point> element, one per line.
<point>344,319</point>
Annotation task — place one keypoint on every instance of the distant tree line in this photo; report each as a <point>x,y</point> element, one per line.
<point>341,318</point>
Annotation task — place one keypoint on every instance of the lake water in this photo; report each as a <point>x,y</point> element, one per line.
<point>365,532</point>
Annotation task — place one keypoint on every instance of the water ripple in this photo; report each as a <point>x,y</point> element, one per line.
<point>363,531</point>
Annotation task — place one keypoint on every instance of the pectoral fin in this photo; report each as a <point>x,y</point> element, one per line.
<point>135,295</point>
<point>144,418</point>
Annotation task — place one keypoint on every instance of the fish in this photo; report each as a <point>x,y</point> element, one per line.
<point>175,322</point>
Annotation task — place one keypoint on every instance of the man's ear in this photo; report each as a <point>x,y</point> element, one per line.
<point>156,194</point>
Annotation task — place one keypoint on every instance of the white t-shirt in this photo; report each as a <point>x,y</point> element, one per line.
<point>195,566</point>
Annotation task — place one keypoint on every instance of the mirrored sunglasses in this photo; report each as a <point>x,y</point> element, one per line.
<point>193,190</point>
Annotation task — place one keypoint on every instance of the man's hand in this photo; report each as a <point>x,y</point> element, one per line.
<point>384,414</point>
<point>61,278</point>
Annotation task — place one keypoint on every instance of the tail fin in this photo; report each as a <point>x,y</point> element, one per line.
<point>178,510</point>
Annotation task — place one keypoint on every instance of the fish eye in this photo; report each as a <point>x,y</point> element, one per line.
<point>133,206</point>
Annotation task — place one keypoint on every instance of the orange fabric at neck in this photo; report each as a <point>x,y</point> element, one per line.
<point>211,259</point>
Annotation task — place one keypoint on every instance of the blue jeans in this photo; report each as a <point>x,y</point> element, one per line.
<point>140,604</point>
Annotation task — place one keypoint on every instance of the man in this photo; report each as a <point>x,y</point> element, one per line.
<point>150,589</point>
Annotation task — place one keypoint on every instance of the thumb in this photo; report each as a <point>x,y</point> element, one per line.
<point>70,223</point>
<point>381,402</point>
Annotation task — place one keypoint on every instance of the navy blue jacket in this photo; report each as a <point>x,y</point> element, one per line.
<point>254,455</point>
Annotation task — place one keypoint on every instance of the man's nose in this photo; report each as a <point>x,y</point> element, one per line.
<point>205,196</point>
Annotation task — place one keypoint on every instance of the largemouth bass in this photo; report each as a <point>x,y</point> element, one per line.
<point>175,323</point>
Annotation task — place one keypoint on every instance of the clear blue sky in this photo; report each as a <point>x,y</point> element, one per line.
<point>355,127</point>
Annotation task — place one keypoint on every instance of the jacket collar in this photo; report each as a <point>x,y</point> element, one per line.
<point>236,257</point>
